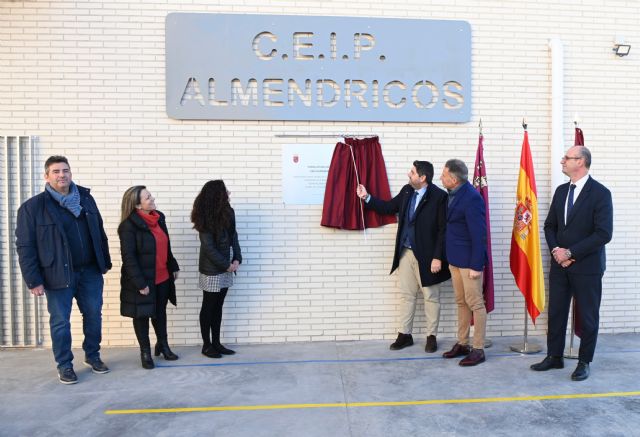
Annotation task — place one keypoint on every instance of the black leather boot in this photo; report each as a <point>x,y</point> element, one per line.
<point>162,347</point>
<point>145,358</point>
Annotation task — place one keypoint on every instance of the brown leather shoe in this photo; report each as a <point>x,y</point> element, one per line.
<point>475,357</point>
<point>432,344</point>
<point>458,350</point>
<point>403,340</point>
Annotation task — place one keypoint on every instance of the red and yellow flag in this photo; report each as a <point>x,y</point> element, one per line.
<point>525,258</point>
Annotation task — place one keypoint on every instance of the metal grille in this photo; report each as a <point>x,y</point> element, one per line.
<point>20,323</point>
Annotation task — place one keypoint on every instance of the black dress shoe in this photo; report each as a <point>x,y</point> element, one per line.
<point>458,350</point>
<point>403,340</point>
<point>548,363</point>
<point>432,344</point>
<point>582,371</point>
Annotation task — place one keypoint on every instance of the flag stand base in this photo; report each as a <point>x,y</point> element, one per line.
<point>569,354</point>
<point>526,348</point>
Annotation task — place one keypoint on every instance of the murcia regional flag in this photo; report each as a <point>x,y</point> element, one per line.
<point>525,258</point>
<point>481,185</point>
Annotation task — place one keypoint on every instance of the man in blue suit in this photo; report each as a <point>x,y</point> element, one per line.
<point>579,224</point>
<point>466,248</point>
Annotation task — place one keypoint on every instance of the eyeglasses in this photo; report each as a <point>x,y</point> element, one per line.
<point>566,158</point>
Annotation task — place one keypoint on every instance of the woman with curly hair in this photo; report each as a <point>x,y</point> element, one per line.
<point>220,257</point>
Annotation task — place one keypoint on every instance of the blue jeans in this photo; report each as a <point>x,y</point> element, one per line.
<point>86,288</point>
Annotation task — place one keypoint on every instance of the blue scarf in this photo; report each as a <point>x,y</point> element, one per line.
<point>71,201</point>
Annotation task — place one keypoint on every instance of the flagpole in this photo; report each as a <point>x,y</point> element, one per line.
<point>525,347</point>
<point>481,185</point>
<point>569,354</point>
<point>487,341</point>
<point>515,262</point>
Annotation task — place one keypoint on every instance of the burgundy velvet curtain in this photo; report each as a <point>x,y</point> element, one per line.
<point>342,207</point>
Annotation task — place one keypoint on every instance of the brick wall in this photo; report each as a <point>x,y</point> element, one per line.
<point>87,78</point>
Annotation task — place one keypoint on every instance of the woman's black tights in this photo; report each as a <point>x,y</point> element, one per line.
<point>211,316</point>
<point>141,325</point>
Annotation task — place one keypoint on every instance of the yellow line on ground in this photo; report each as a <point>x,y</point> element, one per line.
<point>374,404</point>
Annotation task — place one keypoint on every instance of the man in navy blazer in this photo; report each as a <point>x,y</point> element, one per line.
<point>466,246</point>
<point>419,251</point>
<point>579,224</point>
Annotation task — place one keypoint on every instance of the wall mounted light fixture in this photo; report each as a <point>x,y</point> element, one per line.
<point>619,47</point>
<point>622,49</point>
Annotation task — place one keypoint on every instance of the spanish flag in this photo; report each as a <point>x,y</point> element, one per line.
<point>525,258</point>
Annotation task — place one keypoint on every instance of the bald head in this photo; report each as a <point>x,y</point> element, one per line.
<point>576,162</point>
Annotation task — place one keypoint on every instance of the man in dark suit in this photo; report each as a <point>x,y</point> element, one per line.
<point>466,246</point>
<point>419,252</point>
<point>579,224</point>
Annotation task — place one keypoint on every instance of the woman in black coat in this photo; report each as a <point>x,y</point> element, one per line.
<point>220,257</point>
<point>148,271</point>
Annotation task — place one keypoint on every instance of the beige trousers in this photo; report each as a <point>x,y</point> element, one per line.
<point>410,286</point>
<point>469,299</point>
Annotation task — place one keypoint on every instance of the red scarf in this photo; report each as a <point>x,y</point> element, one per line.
<point>162,244</point>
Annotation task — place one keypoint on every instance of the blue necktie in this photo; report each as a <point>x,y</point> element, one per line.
<point>412,206</point>
<point>572,188</point>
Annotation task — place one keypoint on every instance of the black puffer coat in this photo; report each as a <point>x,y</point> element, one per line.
<point>215,250</point>
<point>138,250</point>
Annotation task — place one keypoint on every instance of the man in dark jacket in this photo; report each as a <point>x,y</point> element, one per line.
<point>419,252</point>
<point>578,226</point>
<point>63,253</point>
